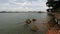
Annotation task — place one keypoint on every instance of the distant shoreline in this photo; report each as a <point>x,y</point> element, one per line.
<point>22,12</point>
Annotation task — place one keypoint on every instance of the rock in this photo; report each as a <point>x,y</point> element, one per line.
<point>52,31</point>
<point>34,28</point>
<point>33,20</point>
<point>28,21</point>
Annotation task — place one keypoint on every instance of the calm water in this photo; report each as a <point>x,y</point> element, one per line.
<point>13,23</point>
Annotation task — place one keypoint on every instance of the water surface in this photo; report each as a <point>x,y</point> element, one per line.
<point>14,23</point>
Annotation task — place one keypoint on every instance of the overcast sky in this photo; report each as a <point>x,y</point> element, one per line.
<point>23,5</point>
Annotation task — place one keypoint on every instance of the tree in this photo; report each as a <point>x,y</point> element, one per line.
<point>54,4</point>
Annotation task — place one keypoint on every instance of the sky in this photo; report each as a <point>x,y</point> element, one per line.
<point>23,5</point>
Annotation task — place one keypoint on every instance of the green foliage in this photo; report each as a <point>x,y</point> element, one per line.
<point>55,6</point>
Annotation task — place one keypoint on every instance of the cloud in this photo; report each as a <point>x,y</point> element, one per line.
<point>3,1</point>
<point>23,5</point>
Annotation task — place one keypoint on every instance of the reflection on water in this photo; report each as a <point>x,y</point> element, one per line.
<point>14,23</point>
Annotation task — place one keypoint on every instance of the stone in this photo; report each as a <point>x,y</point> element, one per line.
<point>34,28</point>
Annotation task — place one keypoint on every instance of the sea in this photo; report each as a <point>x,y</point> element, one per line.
<point>14,23</point>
